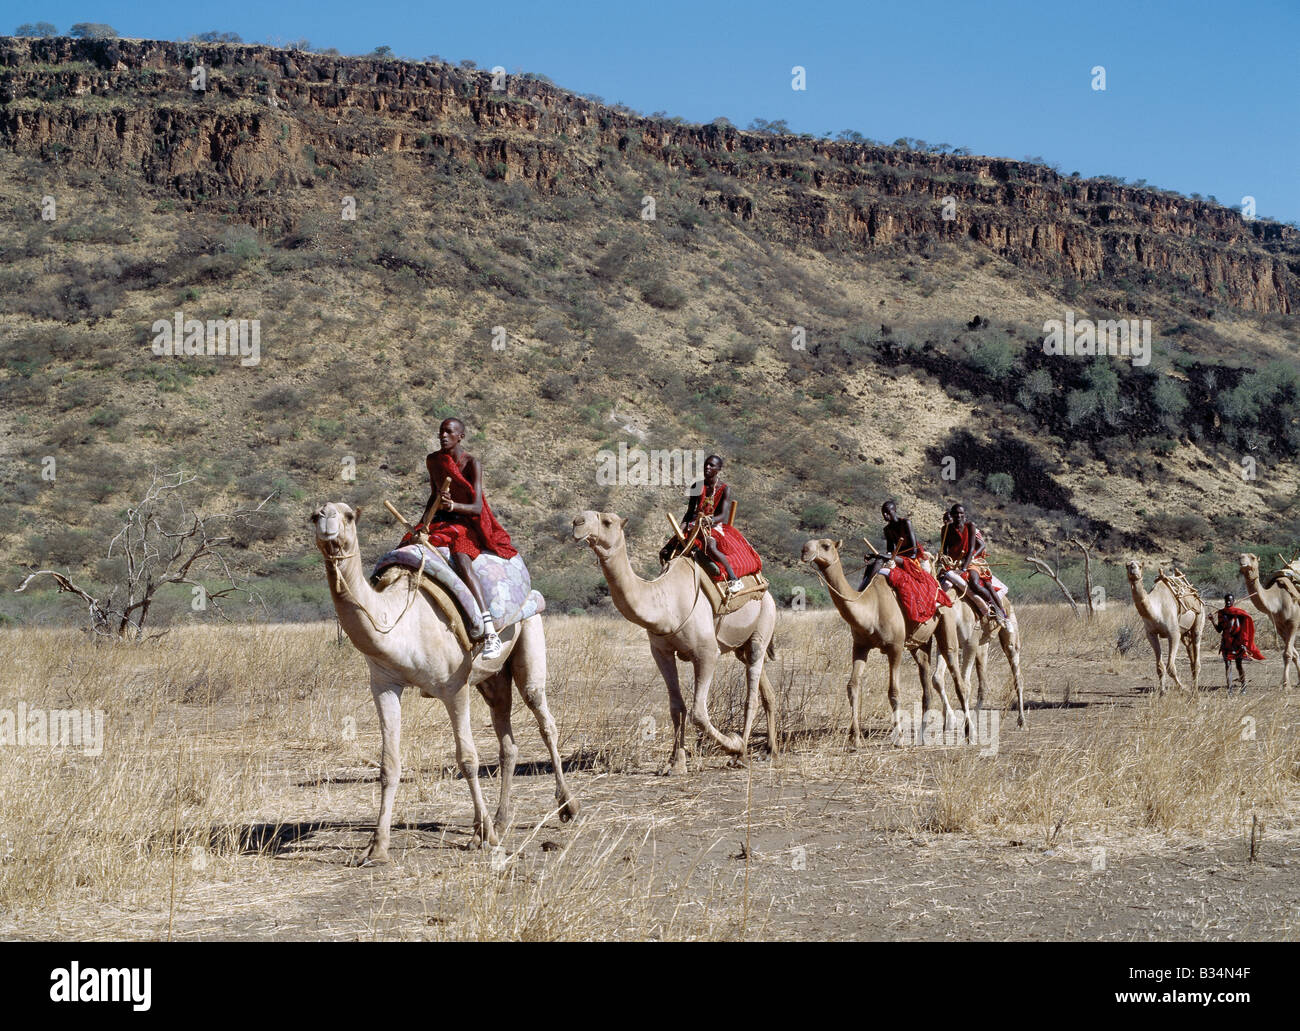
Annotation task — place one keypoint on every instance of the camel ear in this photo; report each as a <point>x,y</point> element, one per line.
<point>622,522</point>
<point>839,544</point>
<point>356,513</point>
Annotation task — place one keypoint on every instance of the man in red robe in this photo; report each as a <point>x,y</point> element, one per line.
<point>724,545</point>
<point>962,553</point>
<point>1237,641</point>
<point>460,519</point>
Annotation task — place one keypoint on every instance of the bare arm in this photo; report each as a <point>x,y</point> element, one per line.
<point>976,547</point>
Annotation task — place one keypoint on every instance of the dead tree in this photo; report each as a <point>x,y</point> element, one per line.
<point>163,541</point>
<point>1041,566</point>
<point>1087,569</point>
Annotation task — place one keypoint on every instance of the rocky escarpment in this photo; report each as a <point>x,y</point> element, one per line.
<point>267,116</point>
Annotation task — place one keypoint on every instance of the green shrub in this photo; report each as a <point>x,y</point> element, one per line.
<point>1001,484</point>
<point>817,516</point>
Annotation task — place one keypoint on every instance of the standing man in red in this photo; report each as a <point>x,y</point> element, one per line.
<point>1237,642</point>
<point>463,522</point>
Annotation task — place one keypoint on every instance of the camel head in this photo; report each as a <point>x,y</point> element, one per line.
<point>602,530</point>
<point>336,529</point>
<point>1249,565</point>
<point>823,551</point>
<point>1134,568</point>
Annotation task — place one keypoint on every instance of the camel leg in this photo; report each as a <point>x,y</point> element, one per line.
<point>388,703</point>
<point>704,665</point>
<point>1173,662</point>
<point>937,679</point>
<point>948,651</point>
<point>857,671</point>
<point>770,706</point>
<point>753,660</point>
<point>1011,649</point>
<point>1290,657</point>
<point>529,668</point>
<point>895,660</point>
<point>1154,640</point>
<point>458,711</point>
<point>667,663</point>
<point>1192,646</point>
<point>496,692</point>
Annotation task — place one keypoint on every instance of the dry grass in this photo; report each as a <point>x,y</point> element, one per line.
<point>238,778</point>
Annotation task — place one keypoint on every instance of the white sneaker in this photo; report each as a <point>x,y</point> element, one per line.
<point>491,645</point>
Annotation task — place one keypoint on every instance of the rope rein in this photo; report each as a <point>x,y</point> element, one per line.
<point>341,587</point>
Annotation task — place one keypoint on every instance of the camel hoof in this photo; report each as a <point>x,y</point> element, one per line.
<point>737,762</point>
<point>674,768</point>
<point>373,857</point>
<point>569,810</point>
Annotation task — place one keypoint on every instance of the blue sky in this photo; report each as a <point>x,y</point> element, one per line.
<point>1200,97</point>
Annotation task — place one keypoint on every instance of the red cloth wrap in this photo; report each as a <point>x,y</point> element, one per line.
<point>730,541</point>
<point>461,533</point>
<point>918,592</point>
<point>956,544</point>
<point>1238,635</point>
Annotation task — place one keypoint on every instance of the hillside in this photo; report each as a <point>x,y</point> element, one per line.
<point>522,209</point>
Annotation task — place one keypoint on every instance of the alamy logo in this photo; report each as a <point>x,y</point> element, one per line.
<point>241,338</point>
<point>1127,338</point>
<point>637,467</point>
<point>53,728</point>
<point>102,984</point>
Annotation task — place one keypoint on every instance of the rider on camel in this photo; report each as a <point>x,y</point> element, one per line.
<point>710,498</point>
<point>962,545</point>
<point>460,519</point>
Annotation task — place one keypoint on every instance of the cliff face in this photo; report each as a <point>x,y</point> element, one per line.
<point>128,106</point>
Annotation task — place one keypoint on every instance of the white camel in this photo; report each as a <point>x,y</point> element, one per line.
<point>407,641</point>
<point>679,622</point>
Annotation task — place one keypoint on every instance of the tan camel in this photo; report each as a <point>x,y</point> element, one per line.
<point>1163,621</point>
<point>1281,607</point>
<point>877,622</point>
<point>974,635</point>
<point>679,622</point>
<point>408,642</point>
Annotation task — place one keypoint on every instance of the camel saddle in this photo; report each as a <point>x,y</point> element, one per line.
<point>1287,578</point>
<point>435,592</point>
<point>1187,596</point>
<point>753,586</point>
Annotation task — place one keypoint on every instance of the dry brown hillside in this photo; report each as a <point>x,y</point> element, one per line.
<point>523,209</point>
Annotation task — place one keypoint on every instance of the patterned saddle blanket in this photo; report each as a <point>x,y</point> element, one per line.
<point>506,583</point>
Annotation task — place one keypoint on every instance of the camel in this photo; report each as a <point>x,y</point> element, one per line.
<point>877,622</point>
<point>974,635</point>
<point>1163,621</point>
<point>1282,608</point>
<point>407,641</point>
<point>679,623</point>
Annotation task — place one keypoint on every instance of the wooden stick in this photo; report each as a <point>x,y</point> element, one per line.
<point>398,515</point>
<point>867,540</point>
<point>731,516</point>
<point>446,486</point>
<point>677,528</point>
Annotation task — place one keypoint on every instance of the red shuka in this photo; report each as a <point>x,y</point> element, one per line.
<point>461,533</point>
<point>1238,635</point>
<point>918,592</point>
<point>958,542</point>
<point>731,542</point>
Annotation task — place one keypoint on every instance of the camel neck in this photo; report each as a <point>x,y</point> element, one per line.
<point>1261,597</point>
<point>843,596</point>
<point>356,603</point>
<point>642,602</point>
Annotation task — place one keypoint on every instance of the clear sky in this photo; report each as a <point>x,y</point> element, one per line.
<point>1200,97</point>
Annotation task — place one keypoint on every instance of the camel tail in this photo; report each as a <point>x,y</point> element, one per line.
<point>771,648</point>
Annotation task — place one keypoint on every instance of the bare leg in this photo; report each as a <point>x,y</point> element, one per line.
<point>714,552</point>
<point>466,570</point>
<point>388,703</point>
